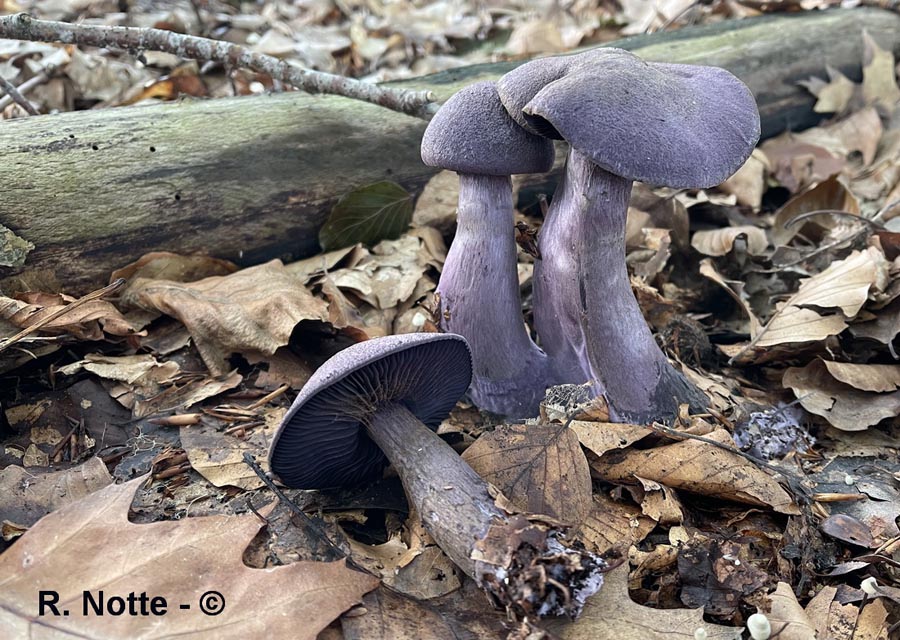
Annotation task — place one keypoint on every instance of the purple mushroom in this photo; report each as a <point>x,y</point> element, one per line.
<point>625,119</point>
<point>379,401</point>
<point>479,290</point>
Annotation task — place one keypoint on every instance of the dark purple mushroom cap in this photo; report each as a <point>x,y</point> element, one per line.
<point>473,133</point>
<point>519,86</point>
<point>676,125</point>
<point>322,441</point>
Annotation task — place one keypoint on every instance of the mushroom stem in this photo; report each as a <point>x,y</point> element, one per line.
<point>480,300</point>
<point>507,554</point>
<point>626,364</point>
<point>557,314</point>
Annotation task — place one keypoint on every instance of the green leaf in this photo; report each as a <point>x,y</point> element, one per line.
<point>375,212</point>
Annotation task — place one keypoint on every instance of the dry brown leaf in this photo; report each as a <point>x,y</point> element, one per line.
<point>844,285</point>
<point>698,467</point>
<point>254,309</point>
<point>612,523</point>
<point>748,184</point>
<point>833,96</point>
<point>720,242</point>
<point>613,614</point>
<point>88,321</point>
<point>829,194</point>
<point>859,132</point>
<point>389,275</point>
<point>600,437</point>
<point>182,397</point>
<point>422,573</point>
<point>842,405</point>
<point>660,503</point>
<point>323,263</point>
<point>787,617</point>
<point>791,324</point>
<point>385,615</point>
<point>866,377</point>
<point>26,497</point>
<point>142,370</point>
<point>540,468</point>
<point>797,164</point>
<point>436,207</point>
<point>219,457</point>
<point>734,289</point>
<point>90,546</point>
<point>879,84</point>
<point>872,622</point>
<point>163,265</point>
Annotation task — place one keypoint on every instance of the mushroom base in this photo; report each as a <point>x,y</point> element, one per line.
<point>517,559</point>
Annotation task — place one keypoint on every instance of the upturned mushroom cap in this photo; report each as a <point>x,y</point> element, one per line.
<point>322,441</point>
<point>473,133</point>
<point>675,125</point>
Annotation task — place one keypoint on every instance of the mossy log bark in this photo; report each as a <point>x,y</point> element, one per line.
<point>253,178</point>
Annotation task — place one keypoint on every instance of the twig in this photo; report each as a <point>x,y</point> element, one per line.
<point>31,83</point>
<point>21,26</point>
<point>17,97</point>
<point>99,293</point>
<point>312,524</point>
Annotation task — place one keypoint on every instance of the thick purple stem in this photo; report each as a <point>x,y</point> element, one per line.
<point>557,313</point>
<point>626,364</point>
<point>480,300</point>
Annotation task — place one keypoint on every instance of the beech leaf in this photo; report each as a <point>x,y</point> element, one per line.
<point>375,212</point>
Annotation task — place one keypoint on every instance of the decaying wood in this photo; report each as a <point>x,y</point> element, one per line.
<point>249,179</point>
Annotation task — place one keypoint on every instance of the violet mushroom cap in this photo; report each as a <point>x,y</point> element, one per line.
<point>674,125</point>
<point>473,135</point>
<point>322,442</point>
<point>625,119</point>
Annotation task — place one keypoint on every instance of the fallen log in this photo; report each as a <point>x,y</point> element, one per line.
<point>253,178</point>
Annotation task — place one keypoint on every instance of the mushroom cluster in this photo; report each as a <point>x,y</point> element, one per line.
<point>624,119</point>
<point>379,401</point>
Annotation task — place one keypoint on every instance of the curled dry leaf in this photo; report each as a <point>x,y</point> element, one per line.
<point>787,617</point>
<point>843,405</point>
<point>600,437</point>
<point>613,614</point>
<point>387,615</point>
<point>219,457</point>
<point>436,206</point>
<point>90,546</point>
<point>859,132</point>
<point>88,321</point>
<point>141,370</point>
<point>164,265</point>
<point>833,96</point>
<point>796,164</point>
<point>698,467</point>
<point>879,83</point>
<point>254,309</point>
<point>828,195</point>
<point>612,523</point>
<point>844,285</point>
<point>423,574</point>
<point>27,496</point>
<point>719,242</point>
<point>748,184</point>
<point>540,468</point>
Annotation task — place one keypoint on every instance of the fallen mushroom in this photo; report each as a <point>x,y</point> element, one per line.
<point>479,289</point>
<point>625,119</point>
<point>379,400</point>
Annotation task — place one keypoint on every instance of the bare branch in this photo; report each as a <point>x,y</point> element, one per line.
<point>21,26</point>
<point>15,96</point>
